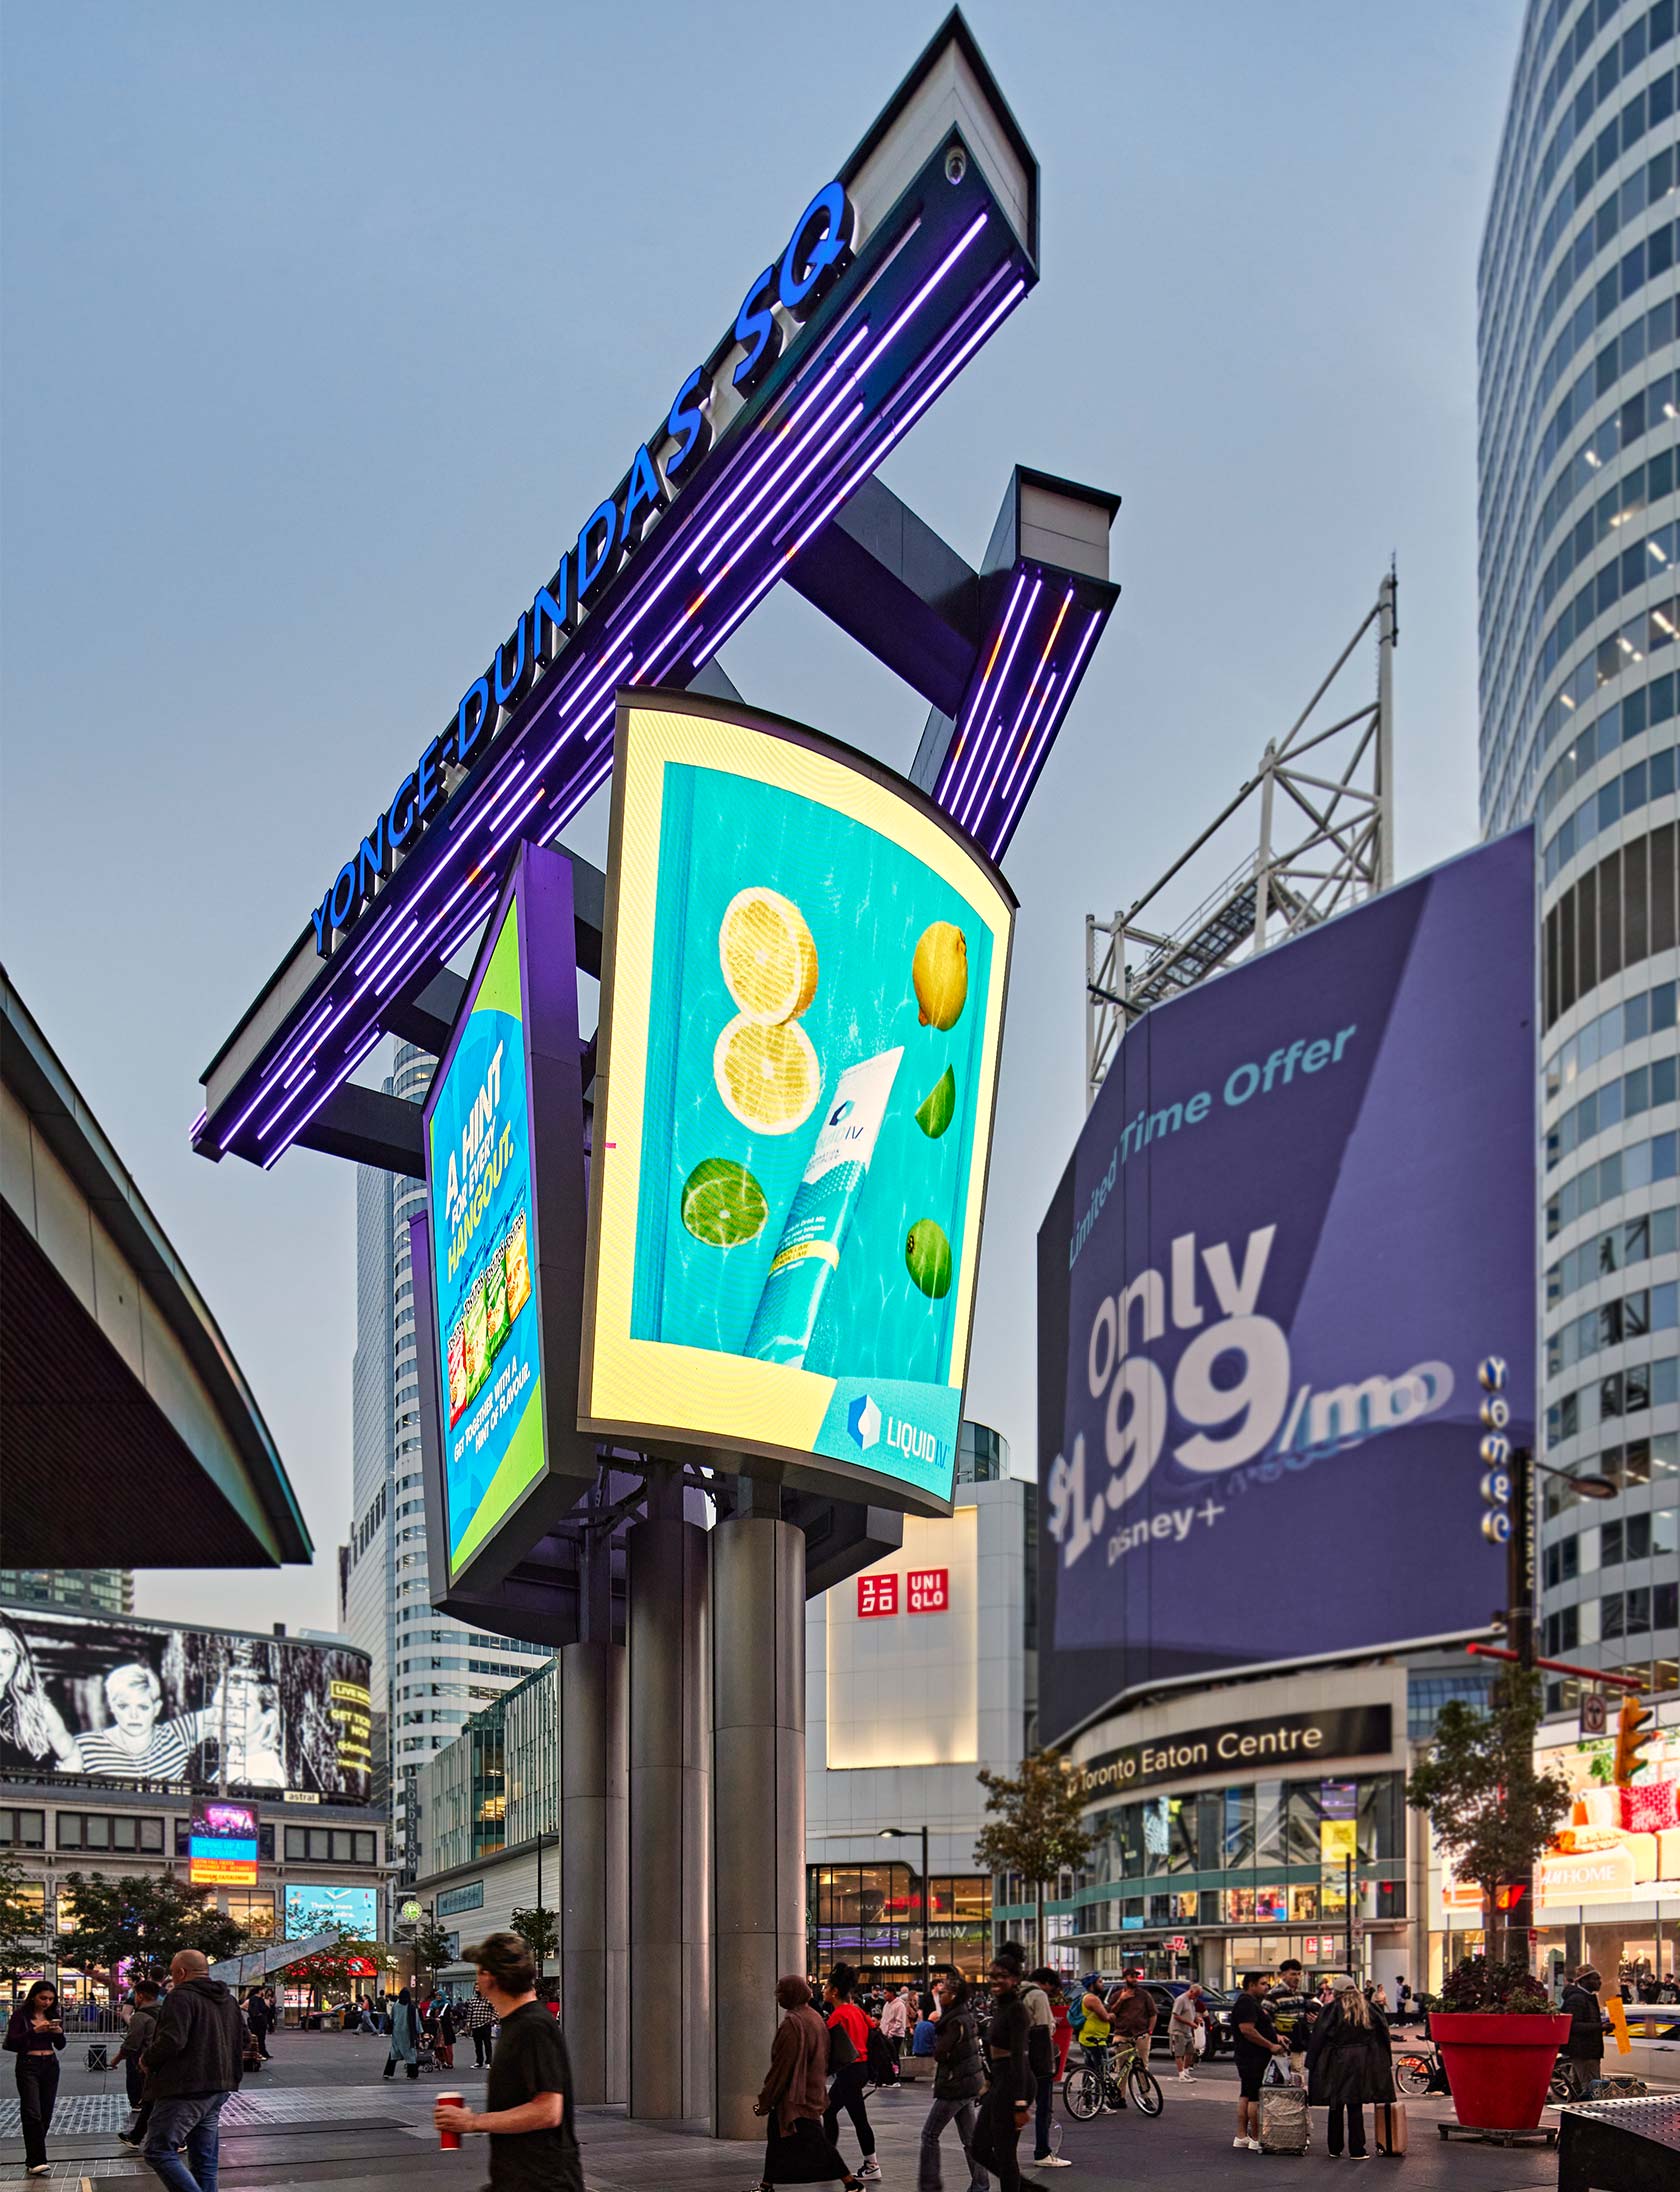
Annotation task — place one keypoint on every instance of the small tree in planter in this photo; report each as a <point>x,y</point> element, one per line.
<point>1477,1988</point>
<point>1494,1812</point>
<point>1489,1806</point>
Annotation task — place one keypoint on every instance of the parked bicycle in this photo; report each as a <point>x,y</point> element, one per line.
<point>1124,2078</point>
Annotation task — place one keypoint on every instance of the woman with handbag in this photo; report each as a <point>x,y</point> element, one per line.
<point>1349,2061</point>
<point>797,2149</point>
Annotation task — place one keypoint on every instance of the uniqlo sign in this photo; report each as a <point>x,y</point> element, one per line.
<point>929,1590</point>
<point>877,1594</point>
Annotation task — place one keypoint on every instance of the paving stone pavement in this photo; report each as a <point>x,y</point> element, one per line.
<point>322,2116</point>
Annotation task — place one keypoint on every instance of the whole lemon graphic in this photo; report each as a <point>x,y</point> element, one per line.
<point>939,974</point>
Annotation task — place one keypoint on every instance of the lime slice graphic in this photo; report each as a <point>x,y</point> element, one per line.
<point>939,1106</point>
<point>722,1204</point>
<point>927,1254</point>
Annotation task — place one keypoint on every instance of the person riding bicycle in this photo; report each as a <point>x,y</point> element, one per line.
<point>1094,2027</point>
<point>1132,2013</point>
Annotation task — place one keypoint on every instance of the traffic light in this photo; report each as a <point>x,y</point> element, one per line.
<point>1633,1731</point>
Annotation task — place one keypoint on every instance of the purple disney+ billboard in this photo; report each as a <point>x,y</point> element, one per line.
<point>1300,1213</point>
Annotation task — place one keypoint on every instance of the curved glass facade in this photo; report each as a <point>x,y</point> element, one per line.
<point>1579,446</point>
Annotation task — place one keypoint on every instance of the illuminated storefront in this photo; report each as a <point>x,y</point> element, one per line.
<point>871,1916</point>
<point>1231,1824</point>
<point>1607,1892</point>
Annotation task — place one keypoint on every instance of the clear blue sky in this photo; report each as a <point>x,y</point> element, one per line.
<point>323,326</point>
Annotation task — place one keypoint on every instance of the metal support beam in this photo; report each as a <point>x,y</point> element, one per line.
<point>889,581</point>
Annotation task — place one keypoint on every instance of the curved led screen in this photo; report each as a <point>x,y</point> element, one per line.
<point>802,1002</point>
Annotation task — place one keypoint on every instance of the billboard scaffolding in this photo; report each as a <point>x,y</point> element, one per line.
<point>1326,841</point>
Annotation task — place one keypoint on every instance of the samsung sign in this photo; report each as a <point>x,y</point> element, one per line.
<point>1242,1747</point>
<point>817,252</point>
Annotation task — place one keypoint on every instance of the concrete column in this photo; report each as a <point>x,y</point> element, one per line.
<point>594,1859</point>
<point>668,1627</point>
<point>758,1794</point>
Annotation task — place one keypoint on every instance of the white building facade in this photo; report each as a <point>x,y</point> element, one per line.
<point>918,1674</point>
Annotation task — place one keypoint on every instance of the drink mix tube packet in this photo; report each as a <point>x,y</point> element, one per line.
<point>820,1215</point>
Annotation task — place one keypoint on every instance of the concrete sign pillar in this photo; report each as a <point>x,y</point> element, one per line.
<point>758,1793</point>
<point>668,1626</point>
<point>594,1955</point>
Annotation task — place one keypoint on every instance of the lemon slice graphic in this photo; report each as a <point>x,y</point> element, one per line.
<point>769,956</point>
<point>767,1076</point>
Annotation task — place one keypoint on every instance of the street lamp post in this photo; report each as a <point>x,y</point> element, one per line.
<point>909,1834</point>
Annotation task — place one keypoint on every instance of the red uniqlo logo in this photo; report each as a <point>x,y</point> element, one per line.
<point>930,1590</point>
<point>877,1594</point>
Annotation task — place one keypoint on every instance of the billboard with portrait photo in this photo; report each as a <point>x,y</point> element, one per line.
<point>1300,1213</point>
<point>802,1003</point>
<point>145,1702</point>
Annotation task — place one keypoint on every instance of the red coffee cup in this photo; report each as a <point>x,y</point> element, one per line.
<point>449,2142</point>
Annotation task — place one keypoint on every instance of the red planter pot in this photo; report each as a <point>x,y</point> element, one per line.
<point>1500,2067</point>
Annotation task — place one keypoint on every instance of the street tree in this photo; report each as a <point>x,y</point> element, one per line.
<point>1491,1808</point>
<point>539,1929</point>
<point>1037,1826</point>
<point>22,1920</point>
<point>143,1920</point>
<point>430,1944</point>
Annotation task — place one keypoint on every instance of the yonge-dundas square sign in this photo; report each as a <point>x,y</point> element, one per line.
<point>882,282</point>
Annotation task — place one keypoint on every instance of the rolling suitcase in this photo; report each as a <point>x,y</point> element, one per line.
<point>1388,2131</point>
<point>1285,2121</point>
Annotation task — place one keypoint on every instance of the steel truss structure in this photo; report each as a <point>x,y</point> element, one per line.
<point>1325,842</point>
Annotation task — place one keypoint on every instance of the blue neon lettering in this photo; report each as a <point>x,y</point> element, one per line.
<point>397,834</point>
<point>372,861</point>
<point>817,253</point>
<point>345,881</point>
<point>428,785</point>
<point>466,739</point>
<point>688,424</point>
<point>755,325</point>
<point>509,688</point>
<point>643,495</point>
<point>813,262</point>
<point>590,575</point>
<point>551,613</point>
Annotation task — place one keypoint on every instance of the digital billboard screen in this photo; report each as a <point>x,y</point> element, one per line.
<point>1300,1213</point>
<point>504,1239</point>
<point>141,1701</point>
<point>222,1845</point>
<point>353,1911</point>
<point>802,1001</point>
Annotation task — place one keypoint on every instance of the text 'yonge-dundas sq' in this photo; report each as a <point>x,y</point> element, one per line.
<point>895,274</point>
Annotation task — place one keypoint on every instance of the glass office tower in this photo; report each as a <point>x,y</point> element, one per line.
<point>1579,398</point>
<point>430,1674</point>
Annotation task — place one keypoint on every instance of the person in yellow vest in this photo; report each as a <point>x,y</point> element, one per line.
<point>1095,2027</point>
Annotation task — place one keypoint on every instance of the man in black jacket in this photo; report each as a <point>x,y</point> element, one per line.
<point>192,2065</point>
<point>1585,2045</point>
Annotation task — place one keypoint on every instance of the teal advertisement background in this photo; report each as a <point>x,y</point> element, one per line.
<point>867,902</point>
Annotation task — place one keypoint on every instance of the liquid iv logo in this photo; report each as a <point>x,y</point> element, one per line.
<point>863,1420</point>
<point>842,1110</point>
